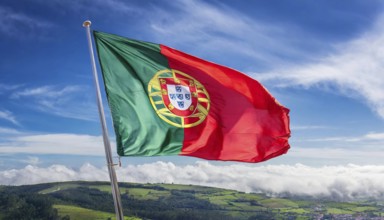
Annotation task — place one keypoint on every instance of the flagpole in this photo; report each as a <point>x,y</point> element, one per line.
<point>107,146</point>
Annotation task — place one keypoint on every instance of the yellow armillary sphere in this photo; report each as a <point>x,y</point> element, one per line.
<point>178,98</point>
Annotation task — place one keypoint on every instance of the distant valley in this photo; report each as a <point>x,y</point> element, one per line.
<point>93,200</point>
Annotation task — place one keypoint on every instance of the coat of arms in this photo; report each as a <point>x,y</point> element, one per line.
<point>178,98</point>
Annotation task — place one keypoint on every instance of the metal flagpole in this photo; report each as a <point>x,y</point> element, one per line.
<point>107,146</point>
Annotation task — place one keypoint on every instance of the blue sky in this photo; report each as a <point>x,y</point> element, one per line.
<point>321,59</point>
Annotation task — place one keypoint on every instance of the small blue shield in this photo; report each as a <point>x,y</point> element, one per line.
<point>180,96</point>
<point>172,96</point>
<point>181,104</point>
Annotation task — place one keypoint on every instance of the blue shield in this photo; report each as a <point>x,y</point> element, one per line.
<point>187,96</point>
<point>172,96</point>
<point>181,104</point>
<point>180,96</point>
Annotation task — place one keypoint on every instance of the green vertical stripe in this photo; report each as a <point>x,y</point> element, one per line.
<point>127,67</point>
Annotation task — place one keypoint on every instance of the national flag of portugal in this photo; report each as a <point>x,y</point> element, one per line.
<point>166,102</point>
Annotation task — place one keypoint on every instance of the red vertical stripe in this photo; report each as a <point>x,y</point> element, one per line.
<point>245,123</point>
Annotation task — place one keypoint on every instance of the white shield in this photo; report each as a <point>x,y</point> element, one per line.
<point>180,96</point>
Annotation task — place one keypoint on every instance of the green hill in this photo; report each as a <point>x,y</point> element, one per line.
<point>93,200</point>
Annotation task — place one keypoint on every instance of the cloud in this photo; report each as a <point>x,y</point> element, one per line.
<point>8,131</point>
<point>55,173</point>
<point>13,141</point>
<point>8,116</point>
<point>337,182</point>
<point>16,24</point>
<point>45,92</point>
<point>66,144</point>
<point>372,137</point>
<point>116,5</point>
<point>338,154</point>
<point>355,70</point>
<point>34,161</point>
<point>309,127</point>
<point>217,28</point>
<point>6,87</point>
<point>93,6</point>
<point>337,150</point>
<point>375,136</point>
<point>72,101</point>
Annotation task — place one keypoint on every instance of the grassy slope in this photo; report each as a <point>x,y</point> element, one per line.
<point>78,213</point>
<point>237,204</point>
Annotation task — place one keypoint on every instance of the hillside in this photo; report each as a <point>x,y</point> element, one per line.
<point>92,200</point>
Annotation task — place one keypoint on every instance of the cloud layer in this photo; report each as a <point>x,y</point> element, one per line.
<point>8,116</point>
<point>312,151</point>
<point>71,101</point>
<point>337,182</point>
<point>16,24</point>
<point>67,144</point>
<point>213,29</point>
<point>355,69</point>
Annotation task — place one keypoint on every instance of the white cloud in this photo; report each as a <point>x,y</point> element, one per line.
<point>375,136</point>
<point>32,161</point>
<point>45,91</point>
<point>72,101</point>
<point>116,5</point>
<point>55,173</point>
<point>372,137</point>
<point>8,116</point>
<point>309,127</point>
<point>360,149</point>
<point>338,155</point>
<point>8,131</point>
<point>6,87</point>
<point>341,182</point>
<point>356,70</point>
<point>16,24</point>
<point>331,150</point>
<point>93,6</point>
<point>67,144</point>
<point>217,28</point>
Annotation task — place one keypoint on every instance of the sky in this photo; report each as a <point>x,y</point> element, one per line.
<point>324,60</point>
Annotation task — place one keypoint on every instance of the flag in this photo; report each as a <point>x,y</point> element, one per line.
<point>166,102</point>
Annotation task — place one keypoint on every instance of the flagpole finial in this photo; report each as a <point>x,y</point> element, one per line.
<point>87,23</point>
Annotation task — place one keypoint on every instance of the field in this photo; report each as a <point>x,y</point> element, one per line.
<point>93,200</point>
<point>78,213</point>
